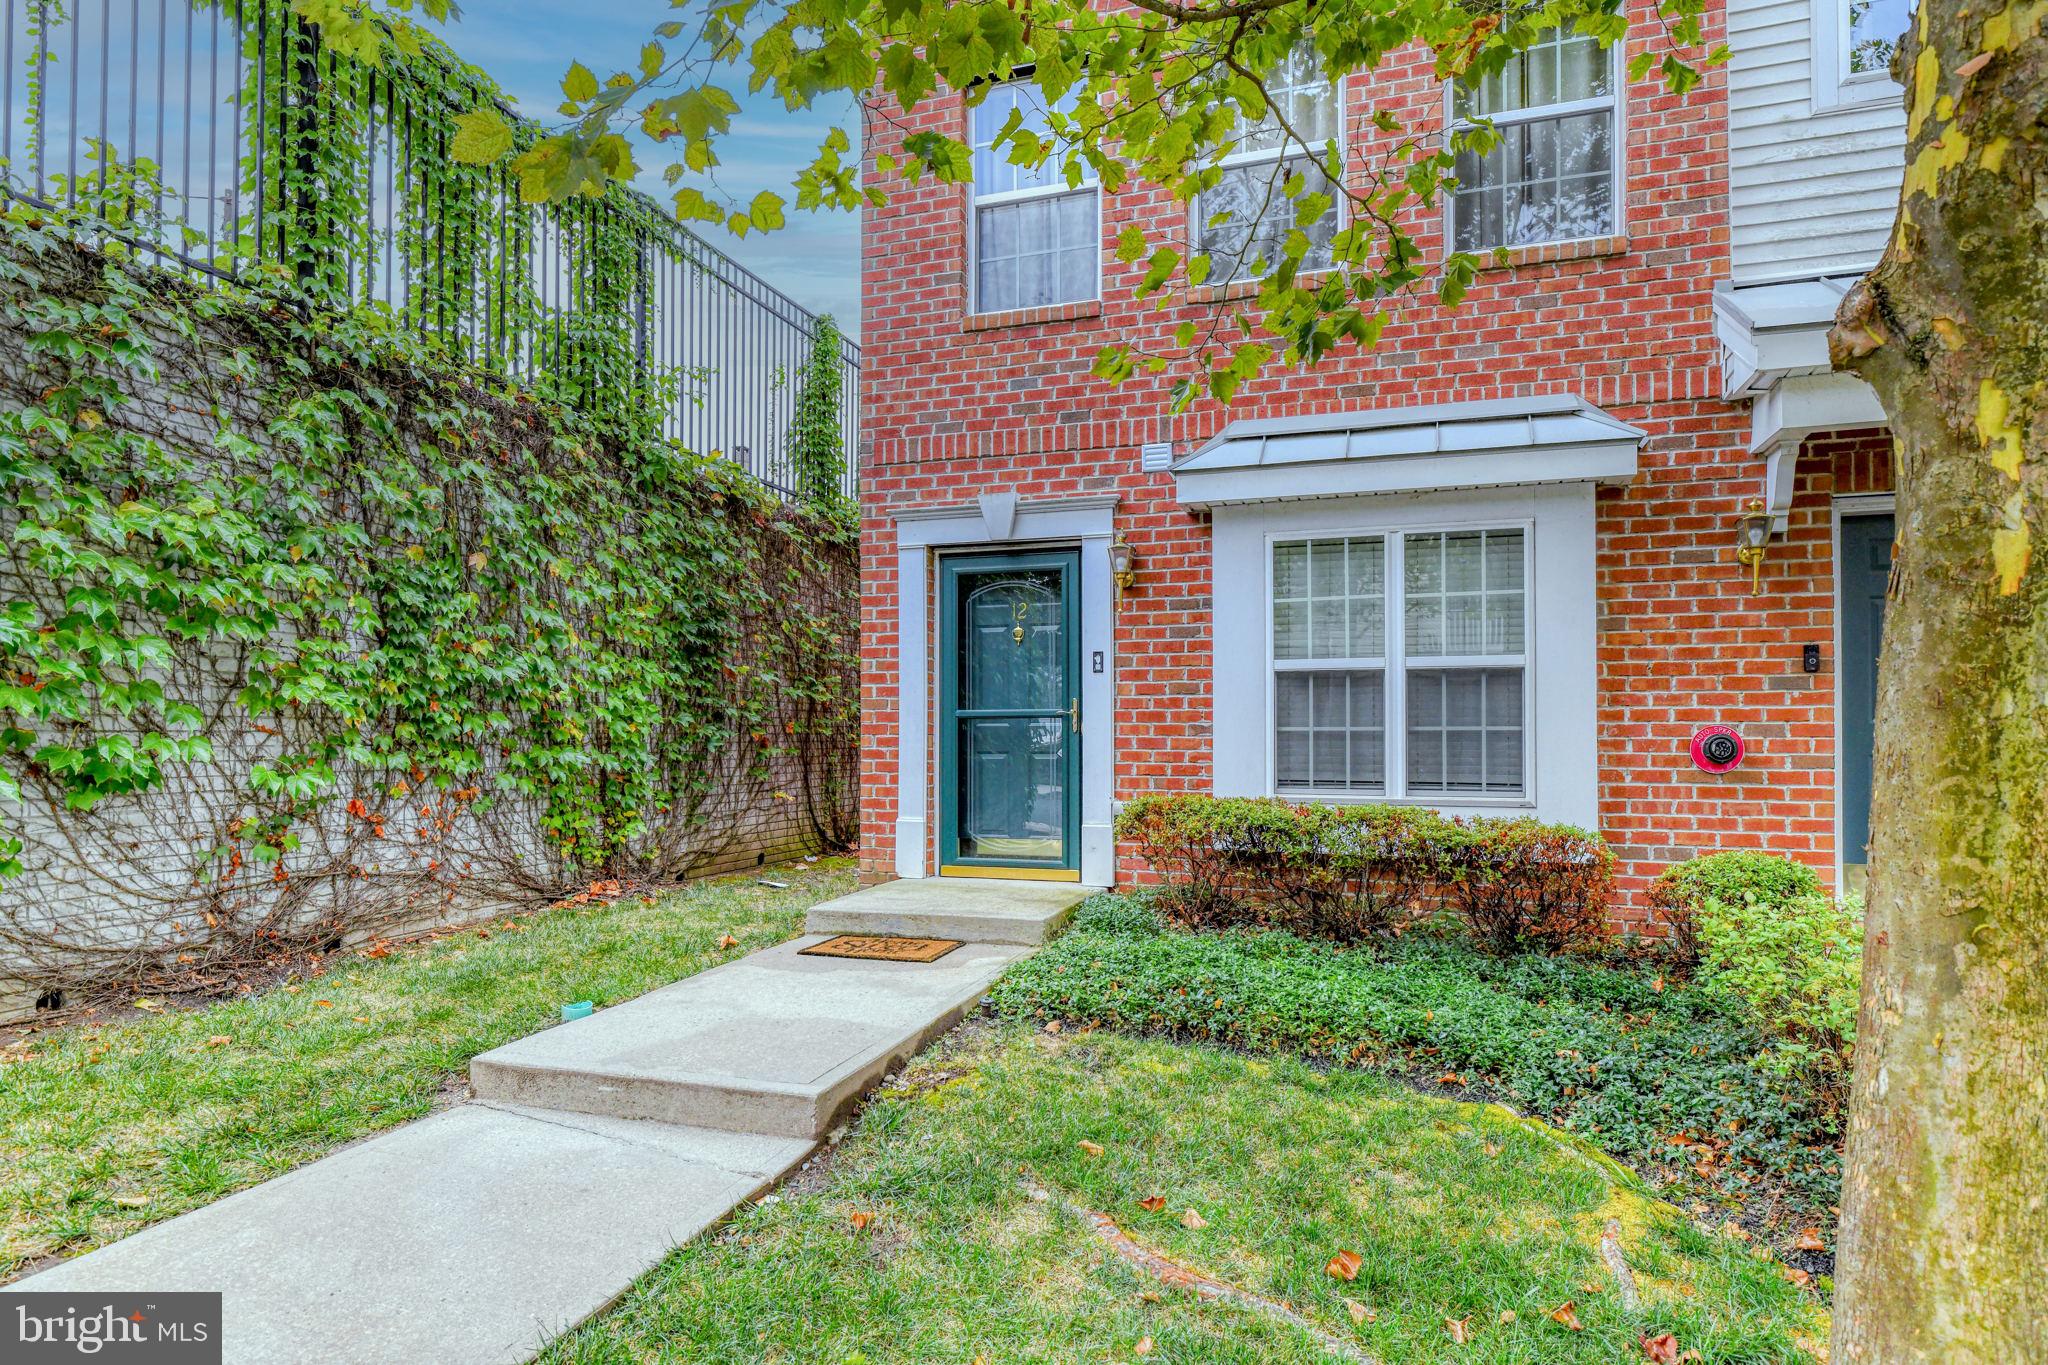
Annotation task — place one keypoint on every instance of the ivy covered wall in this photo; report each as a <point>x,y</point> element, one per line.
<point>306,630</point>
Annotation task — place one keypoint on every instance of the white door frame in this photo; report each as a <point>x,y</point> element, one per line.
<point>1846,505</point>
<point>1004,520</point>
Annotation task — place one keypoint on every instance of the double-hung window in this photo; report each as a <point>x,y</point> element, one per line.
<point>1853,42</point>
<point>1036,240</point>
<point>1244,219</point>
<point>1552,175</point>
<point>1400,664</point>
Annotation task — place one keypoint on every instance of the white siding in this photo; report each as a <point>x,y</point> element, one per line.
<point>1812,191</point>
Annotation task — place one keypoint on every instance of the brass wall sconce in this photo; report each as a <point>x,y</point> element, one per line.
<point>1123,566</point>
<point>1752,541</point>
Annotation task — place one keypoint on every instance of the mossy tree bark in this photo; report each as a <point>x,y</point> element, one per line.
<point>1944,1242</point>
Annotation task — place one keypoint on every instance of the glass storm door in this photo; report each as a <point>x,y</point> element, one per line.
<point>1010,715</point>
<point>1866,573</point>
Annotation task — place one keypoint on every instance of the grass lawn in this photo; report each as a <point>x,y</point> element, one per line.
<point>107,1128</point>
<point>1657,1072</point>
<point>1457,1211</point>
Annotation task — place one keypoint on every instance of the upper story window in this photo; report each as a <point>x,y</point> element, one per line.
<point>1246,216</point>
<point>1553,176</point>
<point>1399,662</point>
<point>1853,42</point>
<point>1035,240</point>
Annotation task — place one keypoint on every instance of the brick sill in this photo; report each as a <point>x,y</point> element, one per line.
<point>1551,253</point>
<point>1028,317</point>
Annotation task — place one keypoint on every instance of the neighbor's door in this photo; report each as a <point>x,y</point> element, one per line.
<point>1866,570</point>
<point>1010,715</point>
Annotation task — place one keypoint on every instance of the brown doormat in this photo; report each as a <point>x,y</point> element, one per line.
<point>883,948</point>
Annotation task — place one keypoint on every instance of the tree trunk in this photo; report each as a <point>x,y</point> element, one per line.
<point>1944,1241</point>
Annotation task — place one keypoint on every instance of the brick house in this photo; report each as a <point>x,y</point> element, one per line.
<point>1488,566</point>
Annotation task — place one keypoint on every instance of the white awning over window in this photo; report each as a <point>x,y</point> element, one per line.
<point>1501,443</point>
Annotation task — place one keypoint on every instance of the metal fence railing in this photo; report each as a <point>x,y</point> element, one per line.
<point>226,139</point>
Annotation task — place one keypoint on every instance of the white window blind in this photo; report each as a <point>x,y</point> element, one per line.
<point>1551,177</point>
<point>1037,241</point>
<point>1243,221</point>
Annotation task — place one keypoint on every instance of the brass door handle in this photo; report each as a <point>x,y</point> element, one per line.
<point>1074,714</point>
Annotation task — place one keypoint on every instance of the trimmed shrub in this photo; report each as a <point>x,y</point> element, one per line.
<point>1794,967</point>
<point>1354,872</point>
<point>1733,877</point>
<point>1351,872</point>
<point>1521,884</point>
<point>1203,847</point>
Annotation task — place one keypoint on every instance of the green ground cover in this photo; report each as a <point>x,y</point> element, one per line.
<point>1663,1074</point>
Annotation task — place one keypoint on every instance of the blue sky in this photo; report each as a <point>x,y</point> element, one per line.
<point>527,44</point>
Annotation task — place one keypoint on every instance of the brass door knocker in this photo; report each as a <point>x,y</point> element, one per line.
<point>1022,614</point>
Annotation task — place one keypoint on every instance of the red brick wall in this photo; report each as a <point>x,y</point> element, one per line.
<point>955,406</point>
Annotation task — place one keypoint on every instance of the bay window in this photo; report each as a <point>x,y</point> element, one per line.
<point>1399,662</point>
<point>1246,216</point>
<point>1036,241</point>
<point>1552,175</point>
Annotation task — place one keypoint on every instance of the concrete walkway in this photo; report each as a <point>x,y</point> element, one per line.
<point>591,1150</point>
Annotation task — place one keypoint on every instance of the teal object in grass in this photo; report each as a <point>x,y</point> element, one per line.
<point>580,1010</point>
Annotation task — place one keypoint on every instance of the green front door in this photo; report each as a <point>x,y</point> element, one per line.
<point>1865,572</point>
<point>1009,715</point>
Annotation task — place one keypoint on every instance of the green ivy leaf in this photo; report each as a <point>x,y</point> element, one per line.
<point>482,136</point>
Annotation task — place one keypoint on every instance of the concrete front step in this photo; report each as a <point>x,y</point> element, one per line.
<point>977,910</point>
<point>774,1043</point>
<point>469,1238</point>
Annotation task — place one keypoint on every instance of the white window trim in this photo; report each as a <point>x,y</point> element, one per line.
<point>976,201</point>
<point>1834,85</point>
<point>1845,505</point>
<point>1616,100</point>
<point>1288,150</point>
<point>1395,664</point>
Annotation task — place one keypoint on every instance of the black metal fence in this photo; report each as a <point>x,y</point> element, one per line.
<point>227,139</point>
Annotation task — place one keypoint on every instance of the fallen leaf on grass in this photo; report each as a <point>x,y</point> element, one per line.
<point>1563,1313</point>
<point>132,1201</point>
<point>1492,1148</point>
<point>728,941</point>
<point>1450,1078</point>
<point>1053,1026</point>
<point>1153,1203</point>
<point>1193,1221</point>
<point>1507,1315</point>
<point>1809,1239</point>
<point>1799,1279</point>
<point>1662,1348</point>
<point>324,1004</point>
<point>1344,1266</point>
<point>1091,1148</point>
<point>1144,1346</point>
<point>1360,1314</point>
<point>860,1218</point>
<point>1459,1328</point>
<point>219,1040</point>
